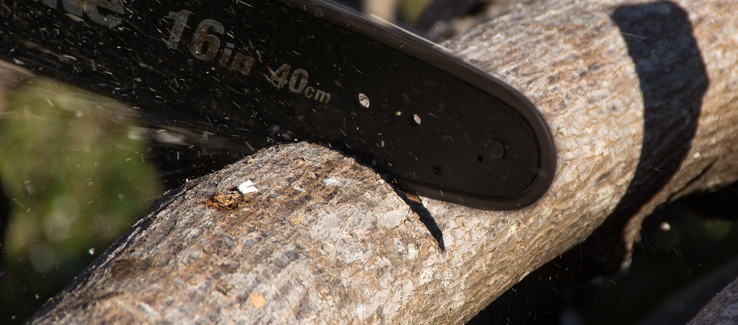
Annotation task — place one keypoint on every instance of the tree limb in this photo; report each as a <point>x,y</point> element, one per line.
<point>640,97</point>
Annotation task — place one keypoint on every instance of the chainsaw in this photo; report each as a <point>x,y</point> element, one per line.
<point>264,72</point>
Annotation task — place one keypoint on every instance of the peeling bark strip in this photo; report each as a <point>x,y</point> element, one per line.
<point>326,240</point>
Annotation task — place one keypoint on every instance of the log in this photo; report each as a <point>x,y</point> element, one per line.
<point>639,95</point>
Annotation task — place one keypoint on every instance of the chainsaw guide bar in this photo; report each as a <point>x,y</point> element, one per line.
<point>289,70</point>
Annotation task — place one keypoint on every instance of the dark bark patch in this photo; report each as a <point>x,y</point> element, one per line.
<point>128,268</point>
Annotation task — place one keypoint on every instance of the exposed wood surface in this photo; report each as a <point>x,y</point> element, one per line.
<point>640,98</point>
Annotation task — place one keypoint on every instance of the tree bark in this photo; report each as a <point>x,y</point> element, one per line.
<point>640,97</point>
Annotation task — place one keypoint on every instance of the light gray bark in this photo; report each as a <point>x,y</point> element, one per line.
<point>326,240</point>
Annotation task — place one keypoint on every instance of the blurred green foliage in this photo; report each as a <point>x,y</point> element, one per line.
<point>410,10</point>
<point>73,167</point>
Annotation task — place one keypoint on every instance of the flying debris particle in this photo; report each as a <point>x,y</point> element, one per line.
<point>73,17</point>
<point>415,121</point>
<point>247,187</point>
<point>665,226</point>
<point>247,144</point>
<point>363,100</point>
<point>91,251</point>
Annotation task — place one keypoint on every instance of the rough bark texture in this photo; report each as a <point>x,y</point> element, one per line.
<point>640,96</point>
<point>641,100</point>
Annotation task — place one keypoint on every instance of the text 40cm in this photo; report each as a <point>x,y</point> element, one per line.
<point>296,82</point>
<point>206,46</point>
